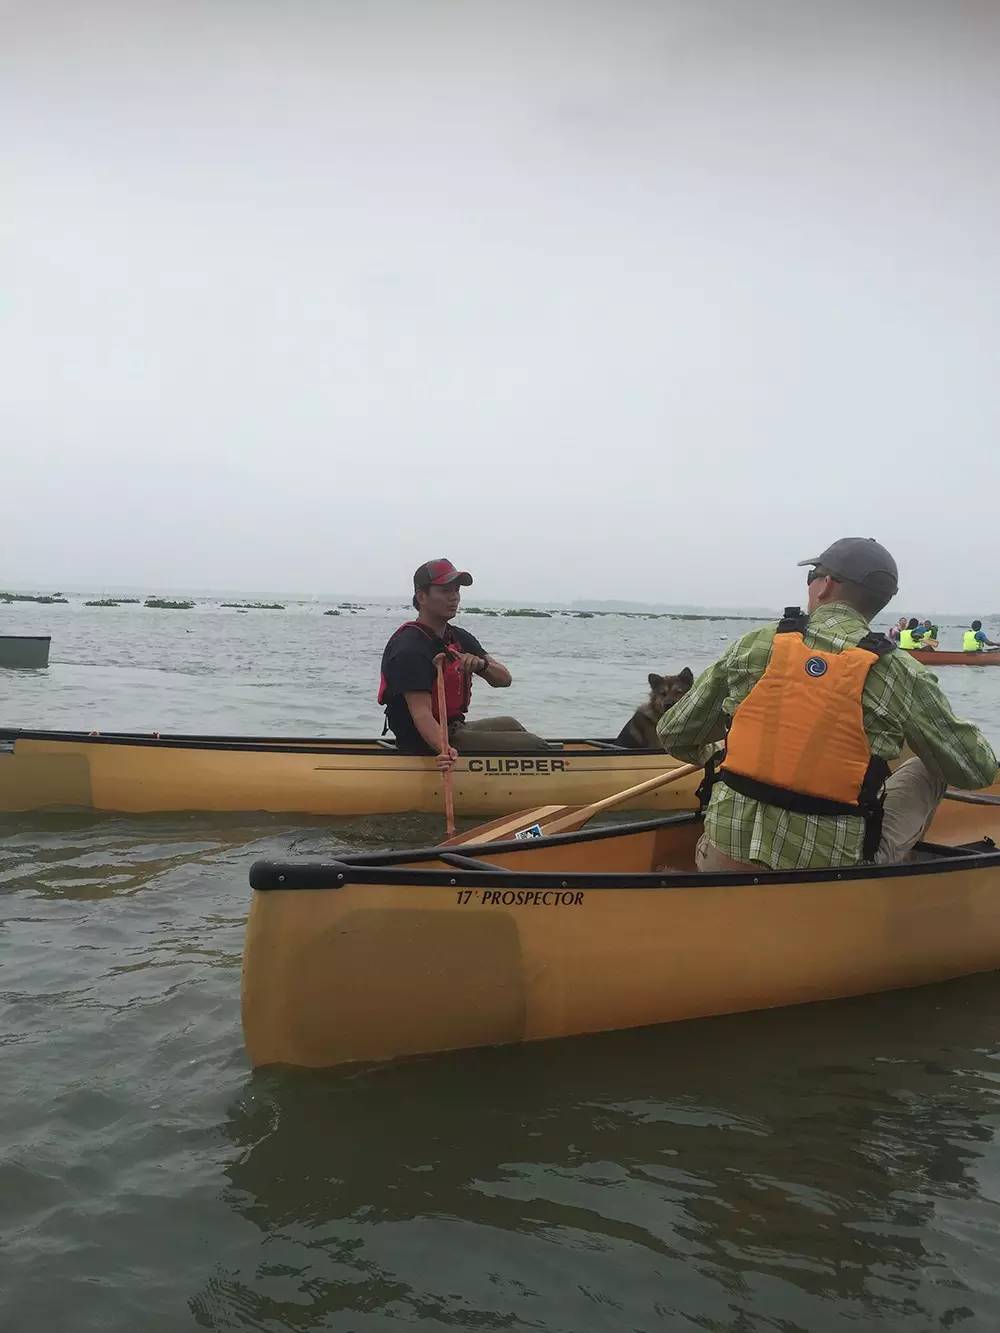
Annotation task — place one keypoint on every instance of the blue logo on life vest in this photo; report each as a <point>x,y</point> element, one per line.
<point>815,666</point>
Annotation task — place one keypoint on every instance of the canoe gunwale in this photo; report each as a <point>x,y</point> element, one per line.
<point>320,745</point>
<point>268,876</point>
<point>373,869</point>
<point>269,872</point>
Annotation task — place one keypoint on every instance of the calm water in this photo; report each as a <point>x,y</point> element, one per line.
<point>830,1167</point>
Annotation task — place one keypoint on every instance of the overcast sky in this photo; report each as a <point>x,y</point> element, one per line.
<point>638,300</point>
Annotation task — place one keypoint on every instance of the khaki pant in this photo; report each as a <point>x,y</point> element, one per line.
<point>498,734</point>
<point>912,796</point>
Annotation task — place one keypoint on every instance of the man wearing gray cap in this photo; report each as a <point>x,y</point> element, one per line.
<point>812,710</point>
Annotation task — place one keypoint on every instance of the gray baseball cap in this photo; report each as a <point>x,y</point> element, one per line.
<point>860,560</point>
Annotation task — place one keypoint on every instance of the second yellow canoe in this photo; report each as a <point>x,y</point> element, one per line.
<point>144,774</point>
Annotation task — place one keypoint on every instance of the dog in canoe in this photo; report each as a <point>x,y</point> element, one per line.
<point>639,733</point>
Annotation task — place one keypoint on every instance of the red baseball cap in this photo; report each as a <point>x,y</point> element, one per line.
<point>439,573</point>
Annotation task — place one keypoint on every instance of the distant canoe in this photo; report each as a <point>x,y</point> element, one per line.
<point>935,657</point>
<point>143,774</point>
<point>24,650</point>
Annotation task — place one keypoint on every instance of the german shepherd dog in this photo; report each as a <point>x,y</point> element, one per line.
<point>639,733</point>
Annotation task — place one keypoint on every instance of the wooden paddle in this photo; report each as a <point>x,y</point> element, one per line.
<point>551,819</point>
<point>446,777</point>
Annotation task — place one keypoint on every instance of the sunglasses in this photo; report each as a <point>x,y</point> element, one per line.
<point>817,573</point>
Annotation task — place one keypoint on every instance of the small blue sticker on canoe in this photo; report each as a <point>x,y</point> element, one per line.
<point>535,831</point>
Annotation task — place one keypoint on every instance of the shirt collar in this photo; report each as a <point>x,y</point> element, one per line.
<point>838,615</point>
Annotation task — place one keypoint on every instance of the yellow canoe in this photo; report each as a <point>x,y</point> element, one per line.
<point>385,955</point>
<point>142,774</point>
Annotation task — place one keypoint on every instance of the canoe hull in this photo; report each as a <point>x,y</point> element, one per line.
<point>940,658</point>
<point>25,651</point>
<point>145,774</point>
<point>440,959</point>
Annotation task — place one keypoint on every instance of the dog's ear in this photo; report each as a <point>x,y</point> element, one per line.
<point>655,681</point>
<point>687,676</point>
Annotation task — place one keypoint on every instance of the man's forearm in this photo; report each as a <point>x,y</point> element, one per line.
<point>430,730</point>
<point>424,720</point>
<point>496,674</point>
<point>948,745</point>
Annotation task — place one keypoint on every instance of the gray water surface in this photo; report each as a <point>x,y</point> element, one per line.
<point>829,1167</point>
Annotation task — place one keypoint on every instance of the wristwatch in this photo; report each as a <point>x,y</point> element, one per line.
<point>481,671</point>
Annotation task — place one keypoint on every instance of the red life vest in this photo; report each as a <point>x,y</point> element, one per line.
<point>457,685</point>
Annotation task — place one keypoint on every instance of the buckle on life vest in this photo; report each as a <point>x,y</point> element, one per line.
<point>704,790</point>
<point>794,621</point>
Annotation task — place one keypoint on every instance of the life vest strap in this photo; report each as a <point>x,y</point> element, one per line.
<point>704,792</point>
<point>870,808</point>
<point>873,829</point>
<point>794,621</point>
<point>458,686</point>
<point>879,644</point>
<point>873,788</point>
<point>795,801</point>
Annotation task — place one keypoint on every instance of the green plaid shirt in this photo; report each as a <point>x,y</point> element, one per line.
<point>902,705</point>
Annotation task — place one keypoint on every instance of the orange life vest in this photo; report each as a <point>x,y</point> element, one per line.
<point>798,739</point>
<point>457,685</point>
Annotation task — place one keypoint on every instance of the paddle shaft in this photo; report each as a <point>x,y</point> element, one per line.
<point>970,797</point>
<point>446,778</point>
<point>576,818</point>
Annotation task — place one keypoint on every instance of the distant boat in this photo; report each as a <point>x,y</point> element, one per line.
<point>941,657</point>
<point>24,650</point>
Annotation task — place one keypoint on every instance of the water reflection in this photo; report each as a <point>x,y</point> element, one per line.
<point>781,1169</point>
<point>79,855</point>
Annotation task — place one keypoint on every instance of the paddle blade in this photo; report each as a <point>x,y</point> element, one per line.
<point>508,826</point>
<point>553,819</point>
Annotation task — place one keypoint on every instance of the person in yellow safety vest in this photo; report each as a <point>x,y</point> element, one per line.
<point>910,637</point>
<point>930,639</point>
<point>974,640</point>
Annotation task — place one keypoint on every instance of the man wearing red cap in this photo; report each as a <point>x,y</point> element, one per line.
<point>409,676</point>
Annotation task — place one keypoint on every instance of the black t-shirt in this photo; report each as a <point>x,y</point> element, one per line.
<point>408,665</point>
